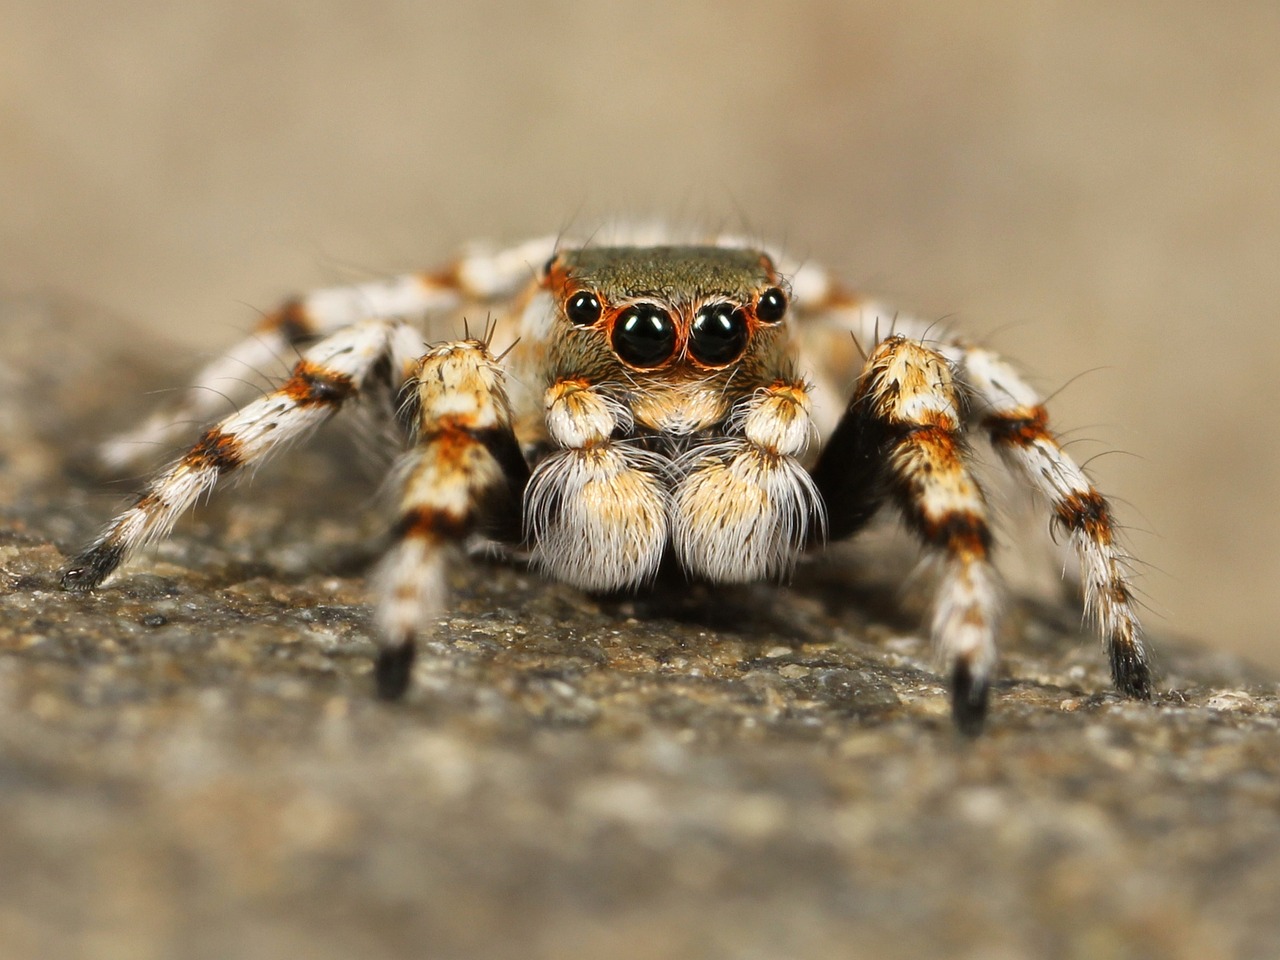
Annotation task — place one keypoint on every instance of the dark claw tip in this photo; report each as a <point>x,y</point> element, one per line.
<point>969,697</point>
<point>393,669</point>
<point>1132,677</point>
<point>92,567</point>
<point>77,579</point>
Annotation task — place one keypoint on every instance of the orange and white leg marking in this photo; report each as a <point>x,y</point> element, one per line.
<point>595,510</point>
<point>464,471</point>
<point>744,508</point>
<point>1014,416</point>
<point>908,389</point>
<point>328,375</point>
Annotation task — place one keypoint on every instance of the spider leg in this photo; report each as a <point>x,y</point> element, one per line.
<point>480,276</point>
<point>1015,419</point>
<point>465,474</point>
<point>329,374</point>
<point>1013,416</point>
<point>902,438</point>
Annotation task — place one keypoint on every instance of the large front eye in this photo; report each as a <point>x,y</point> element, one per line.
<point>718,335</point>
<point>644,336</point>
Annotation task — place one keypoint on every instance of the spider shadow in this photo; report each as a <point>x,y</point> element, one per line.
<point>822,594</point>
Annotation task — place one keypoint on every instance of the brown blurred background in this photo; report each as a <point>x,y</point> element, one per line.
<point>1094,182</point>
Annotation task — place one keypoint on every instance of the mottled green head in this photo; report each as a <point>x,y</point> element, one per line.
<point>661,307</point>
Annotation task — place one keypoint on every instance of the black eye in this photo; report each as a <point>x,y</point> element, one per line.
<point>644,336</point>
<point>772,306</point>
<point>718,335</point>
<point>583,308</point>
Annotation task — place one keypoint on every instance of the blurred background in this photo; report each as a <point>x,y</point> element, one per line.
<point>1093,184</point>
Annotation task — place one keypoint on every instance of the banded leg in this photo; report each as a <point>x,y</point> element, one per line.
<point>596,509</point>
<point>1015,418</point>
<point>481,276</point>
<point>1013,415</point>
<point>328,375</point>
<point>744,507</point>
<point>464,474</point>
<point>906,413</point>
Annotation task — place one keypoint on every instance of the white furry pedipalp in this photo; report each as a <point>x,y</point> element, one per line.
<point>597,517</point>
<point>740,513</point>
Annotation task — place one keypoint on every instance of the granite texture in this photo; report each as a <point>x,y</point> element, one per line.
<point>192,764</point>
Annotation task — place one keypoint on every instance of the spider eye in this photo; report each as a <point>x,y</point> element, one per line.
<point>644,336</point>
<point>772,306</point>
<point>718,335</point>
<point>583,308</point>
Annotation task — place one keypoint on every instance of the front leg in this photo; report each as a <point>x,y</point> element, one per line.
<point>901,438</point>
<point>465,474</point>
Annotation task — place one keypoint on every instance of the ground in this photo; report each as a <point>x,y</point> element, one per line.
<point>192,763</point>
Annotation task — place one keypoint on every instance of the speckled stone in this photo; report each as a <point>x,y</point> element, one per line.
<point>192,764</point>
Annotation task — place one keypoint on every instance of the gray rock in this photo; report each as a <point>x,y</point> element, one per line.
<point>192,763</point>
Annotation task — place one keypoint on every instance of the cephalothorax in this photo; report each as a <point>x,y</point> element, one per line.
<point>639,400</point>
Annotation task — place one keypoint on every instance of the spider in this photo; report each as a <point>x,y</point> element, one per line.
<point>647,399</point>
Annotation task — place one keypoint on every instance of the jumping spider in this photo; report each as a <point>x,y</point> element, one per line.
<point>647,400</point>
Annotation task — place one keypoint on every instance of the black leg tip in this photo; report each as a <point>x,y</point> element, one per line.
<point>90,568</point>
<point>393,669</point>
<point>1131,675</point>
<point>75,578</point>
<point>969,696</point>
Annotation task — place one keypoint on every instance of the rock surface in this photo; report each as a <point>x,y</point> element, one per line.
<point>192,764</point>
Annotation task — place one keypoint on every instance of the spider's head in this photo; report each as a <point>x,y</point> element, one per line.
<point>679,313</point>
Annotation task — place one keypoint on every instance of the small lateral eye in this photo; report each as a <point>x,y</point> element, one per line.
<point>583,308</point>
<point>772,306</point>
